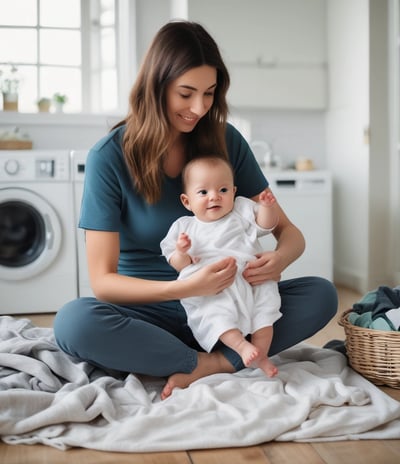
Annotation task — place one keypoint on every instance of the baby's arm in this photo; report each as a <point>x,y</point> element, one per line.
<point>267,215</point>
<point>180,258</point>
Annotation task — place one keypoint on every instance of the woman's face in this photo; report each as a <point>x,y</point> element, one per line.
<point>190,96</point>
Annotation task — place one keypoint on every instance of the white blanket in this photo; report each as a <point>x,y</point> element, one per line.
<point>48,397</point>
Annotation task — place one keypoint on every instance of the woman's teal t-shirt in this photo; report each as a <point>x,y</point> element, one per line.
<point>111,203</point>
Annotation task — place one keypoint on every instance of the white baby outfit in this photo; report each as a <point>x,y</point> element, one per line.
<point>241,305</point>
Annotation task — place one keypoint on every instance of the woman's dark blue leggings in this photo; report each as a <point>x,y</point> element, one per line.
<point>155,339</point>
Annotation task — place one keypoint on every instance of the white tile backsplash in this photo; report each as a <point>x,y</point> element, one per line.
<point>291,134</point>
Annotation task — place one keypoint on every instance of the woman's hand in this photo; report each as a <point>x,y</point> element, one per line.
<point>290,245</point>
<point>267,266</point>
<point>214,278</point>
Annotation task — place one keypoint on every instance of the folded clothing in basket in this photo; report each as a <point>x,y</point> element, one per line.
<point>378,309</point>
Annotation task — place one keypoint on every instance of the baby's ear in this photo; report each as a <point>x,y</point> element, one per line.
<point>185,201</point>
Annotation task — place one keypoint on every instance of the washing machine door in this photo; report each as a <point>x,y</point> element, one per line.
<point>30,234</point>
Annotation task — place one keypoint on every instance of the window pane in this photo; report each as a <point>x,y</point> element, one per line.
<point>21,45</point>
<point>45,36</point>
<point>107,15</point>
<point>60,47</point>
<point>107,47</point>
<point>18,12</point>
<point>60,13</point>
<point>27,89</point>
<point>109,97</point>
<point>65,81</point>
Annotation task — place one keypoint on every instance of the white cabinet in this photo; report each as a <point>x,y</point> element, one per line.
<point>275,50</point>
<point>306,197</point>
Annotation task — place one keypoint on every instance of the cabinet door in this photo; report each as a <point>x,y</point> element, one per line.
<point>301,88</point>
<point>275,50</point>
<point>306,198</point>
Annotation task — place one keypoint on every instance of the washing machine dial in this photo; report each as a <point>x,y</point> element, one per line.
<point>12,167</point>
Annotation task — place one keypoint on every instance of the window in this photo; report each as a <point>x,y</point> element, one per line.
<point>61,46</point>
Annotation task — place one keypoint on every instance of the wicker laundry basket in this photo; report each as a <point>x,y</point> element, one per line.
<point>375,354</point>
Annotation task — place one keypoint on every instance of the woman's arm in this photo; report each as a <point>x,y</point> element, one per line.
<point>102,254</point>
<point>270,264</point>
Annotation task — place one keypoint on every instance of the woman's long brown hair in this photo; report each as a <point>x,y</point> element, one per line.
<point>178,47</point>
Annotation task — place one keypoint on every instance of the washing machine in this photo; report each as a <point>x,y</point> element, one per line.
<point>78,175</point>
<point>38,265</point>
<point>306,198</point>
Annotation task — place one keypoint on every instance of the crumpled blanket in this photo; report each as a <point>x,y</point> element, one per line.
<point>50,398</point>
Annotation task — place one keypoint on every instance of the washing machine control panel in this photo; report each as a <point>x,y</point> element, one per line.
<point>35,166</point>
<point>11,167</point>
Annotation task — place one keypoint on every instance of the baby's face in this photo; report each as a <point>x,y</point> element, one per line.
<point>210,191</point>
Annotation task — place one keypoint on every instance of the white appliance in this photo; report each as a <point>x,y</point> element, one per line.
<point>306,198</point>
<point>38,271</point>
<point>78,175</point>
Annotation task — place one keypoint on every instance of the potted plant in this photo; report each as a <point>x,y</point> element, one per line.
<point>59,101</point>
<point>44,105</point>
<point>9,84</point>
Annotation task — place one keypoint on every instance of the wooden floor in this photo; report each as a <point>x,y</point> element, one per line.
<point>354,452</point>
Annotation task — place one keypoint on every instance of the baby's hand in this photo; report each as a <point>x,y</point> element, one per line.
<point>183,243</point>
<point>267,198</point>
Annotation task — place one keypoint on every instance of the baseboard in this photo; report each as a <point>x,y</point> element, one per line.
<point>351,279</point>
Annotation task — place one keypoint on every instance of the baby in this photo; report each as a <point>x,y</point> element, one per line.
<point>224,226</point>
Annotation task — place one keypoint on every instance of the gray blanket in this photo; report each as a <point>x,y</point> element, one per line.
<point>50,398</point>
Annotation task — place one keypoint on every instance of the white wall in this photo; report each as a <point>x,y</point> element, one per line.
<point>150,16</point>
<point>365,174</point>
<point>347,149</point>
<point>394,131</point>
<point>381,248</point>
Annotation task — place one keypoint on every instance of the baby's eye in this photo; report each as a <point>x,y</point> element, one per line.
<point>202,192</point>
<point>224,190</point>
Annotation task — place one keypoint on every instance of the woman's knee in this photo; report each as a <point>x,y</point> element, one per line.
<point>326,295</point>
<point>72,324</point>
<point>315,297</point>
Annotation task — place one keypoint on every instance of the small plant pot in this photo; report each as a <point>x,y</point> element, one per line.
<point>44,107</point>
<point>10,101</point>
<point>58,107</point>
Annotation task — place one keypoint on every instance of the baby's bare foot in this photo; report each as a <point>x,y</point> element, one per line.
<point>249,353</point>
<point>267,366</point>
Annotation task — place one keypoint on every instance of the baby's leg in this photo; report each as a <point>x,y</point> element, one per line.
<point>261,339</point>
<point>235,340</point>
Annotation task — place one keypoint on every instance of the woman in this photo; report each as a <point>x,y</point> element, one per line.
<point>177,109</point>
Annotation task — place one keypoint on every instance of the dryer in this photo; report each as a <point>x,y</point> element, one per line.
<point>38,266</point>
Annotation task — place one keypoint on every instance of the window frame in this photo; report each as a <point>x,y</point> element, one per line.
<point>125,60</point>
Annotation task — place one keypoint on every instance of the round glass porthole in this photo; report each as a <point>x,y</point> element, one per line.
<point>30,234</point>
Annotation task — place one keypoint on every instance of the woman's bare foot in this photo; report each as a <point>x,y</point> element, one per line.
<point>207,364</point>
